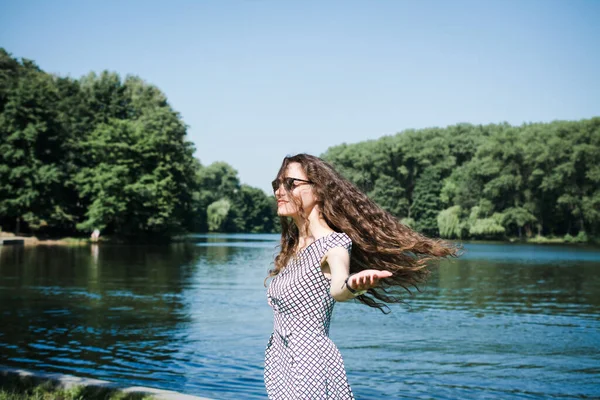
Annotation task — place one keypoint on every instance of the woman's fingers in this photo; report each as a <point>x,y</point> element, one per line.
<point>363,281</point>
<point>367,279</point>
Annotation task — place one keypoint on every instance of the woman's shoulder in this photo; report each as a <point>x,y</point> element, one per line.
<point>338,239</point>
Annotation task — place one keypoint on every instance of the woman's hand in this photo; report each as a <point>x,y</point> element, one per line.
<point>367,279</point>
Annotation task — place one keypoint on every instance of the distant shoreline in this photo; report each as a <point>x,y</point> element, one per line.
<point>74,241</point>
<point>35,241</point>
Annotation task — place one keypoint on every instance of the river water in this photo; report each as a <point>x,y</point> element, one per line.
<point>505,321</point>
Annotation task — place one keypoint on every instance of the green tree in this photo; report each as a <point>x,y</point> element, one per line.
<point>480,225</point>
<point>449,222</point>
<point>217,213</point>
<point>536,177</point>
<point>139,172</point>
<point>30,153</point>
<point>426,201</point>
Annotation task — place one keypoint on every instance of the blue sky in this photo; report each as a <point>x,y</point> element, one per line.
<point>256,80</point>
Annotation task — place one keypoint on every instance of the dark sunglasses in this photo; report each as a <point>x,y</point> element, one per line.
<point>288,183</point>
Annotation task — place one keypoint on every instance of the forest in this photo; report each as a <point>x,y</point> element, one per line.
<point>109,154</point>
<point>493,181</point>
<point>101,152</point>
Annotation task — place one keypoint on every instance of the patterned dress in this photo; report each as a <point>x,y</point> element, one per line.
<point>301,362</point>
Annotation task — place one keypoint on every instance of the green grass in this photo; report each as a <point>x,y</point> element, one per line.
<point>581,238</point>
<point>75,241</point>
<point>49,391</point>
<point>544,239</point>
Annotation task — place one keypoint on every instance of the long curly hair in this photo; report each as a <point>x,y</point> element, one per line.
<point>379,240</point>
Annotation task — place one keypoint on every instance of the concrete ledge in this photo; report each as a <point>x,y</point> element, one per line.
<point>68,381</point>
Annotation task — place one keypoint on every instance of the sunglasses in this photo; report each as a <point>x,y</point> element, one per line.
<point>288,183</point>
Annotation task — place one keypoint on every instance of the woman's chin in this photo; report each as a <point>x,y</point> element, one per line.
<point>282,212</point>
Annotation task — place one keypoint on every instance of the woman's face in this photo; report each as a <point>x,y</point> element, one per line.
<point>302,191</point>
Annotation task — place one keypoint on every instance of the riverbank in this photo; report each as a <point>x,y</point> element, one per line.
<point>35,241</point>
<point>31,240</point>
<point>73,241</point>
<point>19,384</point>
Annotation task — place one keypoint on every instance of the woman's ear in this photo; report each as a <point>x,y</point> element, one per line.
<point>316,194</point>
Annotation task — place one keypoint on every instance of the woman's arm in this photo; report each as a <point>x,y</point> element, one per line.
<point>338,260</point>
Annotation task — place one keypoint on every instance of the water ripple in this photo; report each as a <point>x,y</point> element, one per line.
<point>193,318</point>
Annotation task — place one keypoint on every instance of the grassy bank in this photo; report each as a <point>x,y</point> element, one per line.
<point>566,239</point>
<point>31,240</point>
<point>49,391</point>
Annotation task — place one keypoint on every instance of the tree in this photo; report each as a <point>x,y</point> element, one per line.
<point>426,201</point>
<point>217,214</point>
<point>449,222</point>
<point>30,176</point>
<point>138,173</point>
<point>536,177</point>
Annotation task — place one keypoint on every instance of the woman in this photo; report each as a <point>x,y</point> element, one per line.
<point>336,245</point>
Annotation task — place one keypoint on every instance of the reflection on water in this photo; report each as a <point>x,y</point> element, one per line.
<point>504,321</point>
<point>490,286</point>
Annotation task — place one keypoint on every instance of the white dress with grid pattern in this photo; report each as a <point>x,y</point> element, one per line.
<point>301,362</point>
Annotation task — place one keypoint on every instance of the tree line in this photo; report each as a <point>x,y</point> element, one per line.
<point>484,181</point>
<point>101,152</point>
<point>110,154</point>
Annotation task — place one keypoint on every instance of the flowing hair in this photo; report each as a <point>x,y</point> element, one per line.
<point>379,240</point>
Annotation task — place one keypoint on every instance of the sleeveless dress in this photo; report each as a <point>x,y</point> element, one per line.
<point>301,362</point>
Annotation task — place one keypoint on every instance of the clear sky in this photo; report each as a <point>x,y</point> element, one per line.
<point>256,80</point>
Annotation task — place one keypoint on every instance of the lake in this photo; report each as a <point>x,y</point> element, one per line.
<point>505,321</point>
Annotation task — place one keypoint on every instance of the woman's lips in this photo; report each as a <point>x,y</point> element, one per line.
<point>281,202</point>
